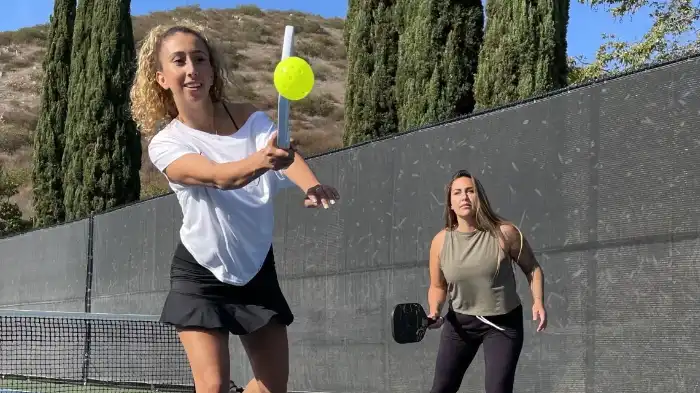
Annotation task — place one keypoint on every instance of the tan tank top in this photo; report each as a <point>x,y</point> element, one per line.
<point>479,274</point>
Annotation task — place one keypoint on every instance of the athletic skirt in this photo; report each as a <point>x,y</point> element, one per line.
<point>197,299</point>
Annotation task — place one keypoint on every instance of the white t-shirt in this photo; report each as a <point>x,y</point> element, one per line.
<point>227,231</point>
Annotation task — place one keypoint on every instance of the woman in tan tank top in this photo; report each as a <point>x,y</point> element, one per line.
<point>470,269</point>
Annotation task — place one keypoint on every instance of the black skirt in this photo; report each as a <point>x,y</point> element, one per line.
<point>197,299</point>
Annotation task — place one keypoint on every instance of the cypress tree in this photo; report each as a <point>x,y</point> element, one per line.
<point>47,175</point>
<point>438,55</point>
<point>371,37</point>
<point>11,221</point>
<point>349,18</point>
<point>524,52</point>
<point>102,156</point>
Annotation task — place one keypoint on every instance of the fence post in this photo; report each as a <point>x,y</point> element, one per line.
<point>88,298</point>
<point>90,247</point>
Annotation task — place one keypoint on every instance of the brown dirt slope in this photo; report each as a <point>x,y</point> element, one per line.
<point>250,40</point>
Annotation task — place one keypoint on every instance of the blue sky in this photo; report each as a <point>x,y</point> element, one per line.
<point>585,25</point>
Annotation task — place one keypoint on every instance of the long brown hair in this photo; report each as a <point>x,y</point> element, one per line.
<point>486,218</point>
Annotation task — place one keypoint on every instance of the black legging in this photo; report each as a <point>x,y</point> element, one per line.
<point>460,340</point>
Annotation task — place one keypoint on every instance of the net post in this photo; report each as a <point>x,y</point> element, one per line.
<point>88,297</point>
<point>90,259</point>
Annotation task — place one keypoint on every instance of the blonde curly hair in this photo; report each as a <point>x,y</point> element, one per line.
<point>151,105</point>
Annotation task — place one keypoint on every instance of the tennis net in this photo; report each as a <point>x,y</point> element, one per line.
<point>52,352</point>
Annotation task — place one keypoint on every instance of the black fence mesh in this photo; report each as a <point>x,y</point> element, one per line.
<point>602,180</point>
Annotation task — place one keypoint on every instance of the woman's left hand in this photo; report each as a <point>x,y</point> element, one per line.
<point>538,312</point>
<point>321,195</point>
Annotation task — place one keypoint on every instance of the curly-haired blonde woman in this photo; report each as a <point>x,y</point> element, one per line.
<point>222,162</point>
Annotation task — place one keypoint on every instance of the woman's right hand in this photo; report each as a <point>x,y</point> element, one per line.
<point>275,158</point>
<point>438,321</point>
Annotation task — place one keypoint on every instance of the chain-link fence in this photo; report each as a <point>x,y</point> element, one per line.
<point>601,179</point>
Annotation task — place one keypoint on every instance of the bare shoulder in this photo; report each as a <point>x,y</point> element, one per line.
<point>438,240</point>
<point>511,234</point>
<point>509,231</point>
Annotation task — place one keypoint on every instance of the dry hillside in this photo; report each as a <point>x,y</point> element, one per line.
<point>249,39</point>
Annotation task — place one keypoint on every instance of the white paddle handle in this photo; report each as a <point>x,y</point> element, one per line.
<point>283,138</point>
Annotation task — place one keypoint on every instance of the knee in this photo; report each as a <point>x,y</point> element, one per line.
<point>279,386</point>
<point>443,388</point>
<point>444,384</point>
<point>502,383</point>
<point>500,378</point>
<point>211,385</point>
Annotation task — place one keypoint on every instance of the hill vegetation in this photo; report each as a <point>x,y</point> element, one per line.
<point>250,41</point>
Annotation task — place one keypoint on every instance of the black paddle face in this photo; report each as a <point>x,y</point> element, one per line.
<point>408,323</point>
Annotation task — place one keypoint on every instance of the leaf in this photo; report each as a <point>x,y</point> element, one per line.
<point>11,220</point>
<point>673,34</point>
<point>8,185</point>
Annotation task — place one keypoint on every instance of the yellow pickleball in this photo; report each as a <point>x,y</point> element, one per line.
<point>294,78</point>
